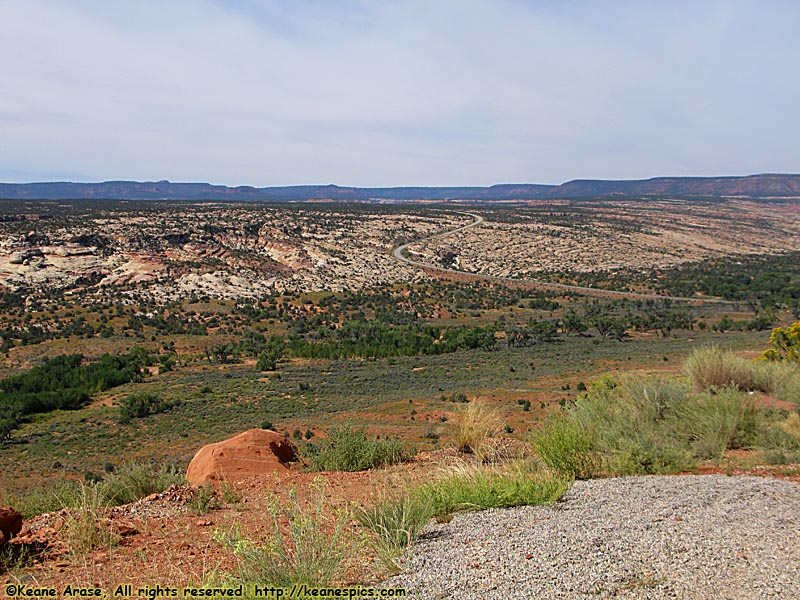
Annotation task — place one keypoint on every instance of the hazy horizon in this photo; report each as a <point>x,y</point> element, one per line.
<point>410,185</point>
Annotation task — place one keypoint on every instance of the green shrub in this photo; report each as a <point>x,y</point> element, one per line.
<point>566,447</point>
<point>715,422</point>
<point>647,425</point>
<point>349,449</point>
<point>140,405</point>
<point>785,344</point>
<point>633,426</point>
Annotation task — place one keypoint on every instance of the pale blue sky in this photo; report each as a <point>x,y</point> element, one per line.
<point>396,92</point>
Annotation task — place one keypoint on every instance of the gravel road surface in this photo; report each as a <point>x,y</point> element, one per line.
<point>689,537</point>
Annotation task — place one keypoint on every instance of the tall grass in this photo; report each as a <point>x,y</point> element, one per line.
<point>711,367</point>
<point>792,425</point>
<point>45,498</point>
<point>780,379</point>
<point>307,544</point>
<point>85,526</point>
<point>395,522</point>
<point>712,423</point>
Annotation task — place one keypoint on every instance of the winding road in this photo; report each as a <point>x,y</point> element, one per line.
<point>591,291</point>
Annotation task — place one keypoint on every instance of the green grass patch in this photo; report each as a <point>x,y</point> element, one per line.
<point>469,487</point>
<point>394,523</point>
<point>348,448</point>
<point>135,480</point>
<point>566,447</point>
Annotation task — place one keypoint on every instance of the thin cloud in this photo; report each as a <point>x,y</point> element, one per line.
<point>396,92</point>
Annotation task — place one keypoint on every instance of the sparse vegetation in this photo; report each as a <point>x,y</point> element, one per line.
<point>391,356</point>
<point>85,526</point>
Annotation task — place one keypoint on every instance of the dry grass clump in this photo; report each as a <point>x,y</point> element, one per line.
<point>476,422</point>
<point>712,367</point>
<point>792,425</point>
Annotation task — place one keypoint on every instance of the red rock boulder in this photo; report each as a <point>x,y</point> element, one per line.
<point>10,523</point>
<point>254,452</point>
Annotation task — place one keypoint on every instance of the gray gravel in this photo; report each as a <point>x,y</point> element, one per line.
<point>689,537</point>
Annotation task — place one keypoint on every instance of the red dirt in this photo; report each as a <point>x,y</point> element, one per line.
<point>162,542</point>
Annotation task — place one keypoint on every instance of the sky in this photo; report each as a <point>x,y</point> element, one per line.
<point>397,92</point>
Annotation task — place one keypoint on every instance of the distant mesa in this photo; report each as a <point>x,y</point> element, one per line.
<point>253,452</point>
<point>750,186</point>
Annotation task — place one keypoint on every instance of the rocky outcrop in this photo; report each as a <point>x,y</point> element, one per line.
<point>254,452</point>
<point>24,256</point>
<point>10,523</point>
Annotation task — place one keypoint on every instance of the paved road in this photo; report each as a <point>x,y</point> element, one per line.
<point>398,254</point>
